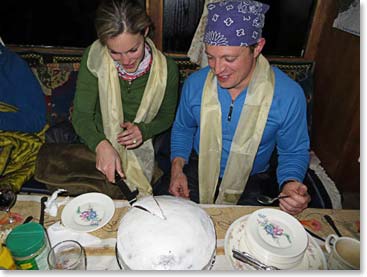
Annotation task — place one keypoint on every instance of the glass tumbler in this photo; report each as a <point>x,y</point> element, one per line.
<point>67,255</point>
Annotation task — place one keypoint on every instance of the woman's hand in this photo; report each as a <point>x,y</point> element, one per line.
<point>131,137</point>
<point>298,200</point>
<point>108,160</point>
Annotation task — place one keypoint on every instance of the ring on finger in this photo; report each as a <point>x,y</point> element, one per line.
<point>134,141</point>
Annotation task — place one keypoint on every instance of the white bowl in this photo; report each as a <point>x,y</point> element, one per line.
<point>276,238</point>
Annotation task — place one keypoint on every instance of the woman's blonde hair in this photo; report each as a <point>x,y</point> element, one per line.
<point>113,17</point>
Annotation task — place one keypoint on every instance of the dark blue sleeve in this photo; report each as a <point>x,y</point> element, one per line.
<point>20,88</point>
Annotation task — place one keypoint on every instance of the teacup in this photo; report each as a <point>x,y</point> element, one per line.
<point>344,252</point>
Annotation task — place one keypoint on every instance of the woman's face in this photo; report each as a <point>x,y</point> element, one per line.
<point>127,49</point>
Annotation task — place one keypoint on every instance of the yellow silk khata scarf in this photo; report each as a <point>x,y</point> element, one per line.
<point>246,139</point>
<point>18,153</point>
<point>138,164</point>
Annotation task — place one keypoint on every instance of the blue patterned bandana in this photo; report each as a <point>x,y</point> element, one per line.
<point>235,23</point>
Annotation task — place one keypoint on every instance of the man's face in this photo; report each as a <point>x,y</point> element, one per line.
<point>232,65</point>
<point>127,49</point>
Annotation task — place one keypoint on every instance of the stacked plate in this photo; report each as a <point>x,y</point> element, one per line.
<point>275,238</point>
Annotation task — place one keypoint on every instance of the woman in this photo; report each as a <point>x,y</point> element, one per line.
<point>126,94</point>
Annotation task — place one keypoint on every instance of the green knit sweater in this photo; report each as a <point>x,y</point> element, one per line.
<point>87,118</point>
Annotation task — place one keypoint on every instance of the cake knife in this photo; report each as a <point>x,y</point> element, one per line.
<point>131,196</point>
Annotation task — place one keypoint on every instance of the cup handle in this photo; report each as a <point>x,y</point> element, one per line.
<point>329,242</point>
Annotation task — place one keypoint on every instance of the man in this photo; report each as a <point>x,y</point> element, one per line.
<point>233,114</point>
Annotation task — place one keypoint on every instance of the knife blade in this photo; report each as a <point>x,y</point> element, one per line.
<point>314,235</point>
<point>130,195</point>
<point>160,214</point>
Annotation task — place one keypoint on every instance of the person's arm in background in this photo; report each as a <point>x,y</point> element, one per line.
<point>293,149</point>
<point>182,136</point>
<point>20,88</point>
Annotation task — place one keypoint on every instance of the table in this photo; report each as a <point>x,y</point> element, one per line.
<point>102,256</point>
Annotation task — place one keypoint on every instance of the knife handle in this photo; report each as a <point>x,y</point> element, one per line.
<point>314,235</point>
<point>130,195</point>
<point>332,224</point>
<point>42,212</point>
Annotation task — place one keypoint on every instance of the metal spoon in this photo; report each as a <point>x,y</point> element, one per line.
<point>266,200</point>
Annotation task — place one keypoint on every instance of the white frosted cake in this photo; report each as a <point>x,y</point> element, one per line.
<point>174,234</point>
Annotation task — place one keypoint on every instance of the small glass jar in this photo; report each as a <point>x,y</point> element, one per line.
<point>29,246</point>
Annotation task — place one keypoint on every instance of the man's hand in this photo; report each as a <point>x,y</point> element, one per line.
<point>298,200</point>
<point>131,137</point>
<point>178,185</point>
<point>108,160</point>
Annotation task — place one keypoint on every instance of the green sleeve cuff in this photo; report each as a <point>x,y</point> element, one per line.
<point>93,142</point>
<point>144,130</point>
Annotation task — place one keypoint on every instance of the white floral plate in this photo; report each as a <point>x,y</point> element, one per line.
<point>88,212</point>
<point>276,233</point>
<point>314,258</point>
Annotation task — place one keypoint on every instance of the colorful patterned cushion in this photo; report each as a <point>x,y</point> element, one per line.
<point>58,82</point>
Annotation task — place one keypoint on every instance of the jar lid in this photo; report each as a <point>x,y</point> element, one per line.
<point>25,239</point>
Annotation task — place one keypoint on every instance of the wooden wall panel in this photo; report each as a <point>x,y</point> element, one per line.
<point>155,11</point>
<point>316,29</point>
<point>337,102</point>
<point>180,20</point>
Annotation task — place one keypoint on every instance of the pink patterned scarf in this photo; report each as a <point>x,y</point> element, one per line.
<point>143,67</point>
